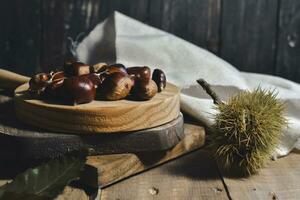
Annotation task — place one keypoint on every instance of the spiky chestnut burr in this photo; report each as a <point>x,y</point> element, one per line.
<point>247,129</point>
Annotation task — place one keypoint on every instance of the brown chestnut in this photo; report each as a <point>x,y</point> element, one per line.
<point>97,67</point>
<point>159,77</point>
<point>116,86</point>
<point>78,90</point>
<point>110,69</point>
<point>144,91</point>
<point>140,74</point>
<point>57,75</point>
<point>38,82</point>
<point>95,78</point>
<point>76,69</point>
<point>53,90</point>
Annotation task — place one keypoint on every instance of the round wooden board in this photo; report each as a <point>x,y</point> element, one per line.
<point>98,116</point>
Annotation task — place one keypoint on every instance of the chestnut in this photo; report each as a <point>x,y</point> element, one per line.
<point>116,86</point>
<point>76,69</point>
<point>53,90</point>
<point>144,91</point>
<point>57,75</point>
<point>140,74</point>
<point>97,67</point>
<point>78,90</point>
<point>38,82</point>
<point>110,69</point>
<point>95,78</point>
<point>159,77</point>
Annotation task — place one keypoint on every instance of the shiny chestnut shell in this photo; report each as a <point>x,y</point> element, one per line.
<point>57,75</point>
<point>78,90</point>
<point>140,74</point>
<point>110,69</point>
<point>159,77</point>
<point>116,86</point>
<point>95,78</point>
<point>53,90</point>
<point>39,82</point>
<point>144,91</point>
<point>97,67</point>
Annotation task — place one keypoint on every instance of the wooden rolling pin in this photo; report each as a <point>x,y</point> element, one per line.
<point>10,80</point>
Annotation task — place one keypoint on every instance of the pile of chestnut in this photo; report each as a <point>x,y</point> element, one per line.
<point>79,83</point>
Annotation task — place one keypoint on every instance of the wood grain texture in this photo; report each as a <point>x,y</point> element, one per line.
<point>112,168</point>
<point>20,35</point>
<point>62,21</point>
<point>98,116</point>
<point>279,180</point>
<point>248,34</point>
<point>288,49</point>
<point>193,20</point>
<point>26,143</point>
<point>253,35</point>
<point>137,9</point>
<point>192,177</point>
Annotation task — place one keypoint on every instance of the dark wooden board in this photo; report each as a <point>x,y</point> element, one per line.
<point>288,50</point>
<point>20,30</point>
<point>257,36</point>
<point>248,34</point>
<point>137,9</point>
<point>23,142</point>
<point>194,20</point>
<point>62,20</point>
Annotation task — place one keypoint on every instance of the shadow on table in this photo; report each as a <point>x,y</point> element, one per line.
<point>196,165</point>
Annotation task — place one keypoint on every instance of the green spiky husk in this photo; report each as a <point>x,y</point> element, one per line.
<point>247,129</point>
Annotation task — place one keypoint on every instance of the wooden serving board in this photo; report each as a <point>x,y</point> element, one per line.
<point>24,142</point>
<point>27,143</point>
<point>98,116</point>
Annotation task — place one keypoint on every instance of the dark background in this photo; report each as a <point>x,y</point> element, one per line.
<point>254,35</point>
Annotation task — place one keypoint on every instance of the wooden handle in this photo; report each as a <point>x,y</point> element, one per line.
<point>10,80</point>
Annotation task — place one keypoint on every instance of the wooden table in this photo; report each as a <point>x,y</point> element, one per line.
<point>196,176</point>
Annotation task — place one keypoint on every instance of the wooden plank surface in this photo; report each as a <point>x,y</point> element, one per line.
<point>192,177</point>
<point>279,180</point>
<point>115,167</point>
<point>253,35</point>
<point>248,34</point>
<point>195,176</point>
<point>288,49</point>
<point>137,9</point>
<point>62,20</point>
<point>20,35</point>
<point>194,20</point>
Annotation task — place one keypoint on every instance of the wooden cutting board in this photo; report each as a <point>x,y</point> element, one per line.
<point>28,143</point>
<point>104,170</point>
<point>98,116</point>
<point>24,142</point>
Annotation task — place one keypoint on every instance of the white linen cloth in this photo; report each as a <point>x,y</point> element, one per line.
<point>124,40</point>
